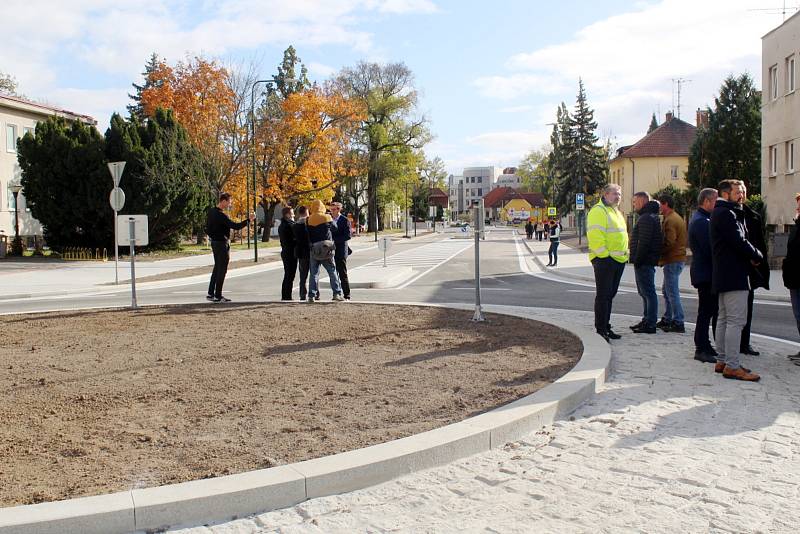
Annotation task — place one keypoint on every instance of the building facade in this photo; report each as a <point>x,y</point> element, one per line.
<point>657,160</point>
<point>509,178</point>
<point>780,123</point>
<point>17,118</point>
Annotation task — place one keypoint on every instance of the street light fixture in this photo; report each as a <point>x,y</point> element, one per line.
<point>16,246</point>
<point>253,160</point>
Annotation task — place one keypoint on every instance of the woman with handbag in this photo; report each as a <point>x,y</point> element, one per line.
<point>320,237</point>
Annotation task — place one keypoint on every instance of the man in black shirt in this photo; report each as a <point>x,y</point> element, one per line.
<point>288,244</point>
<point>218,228</point>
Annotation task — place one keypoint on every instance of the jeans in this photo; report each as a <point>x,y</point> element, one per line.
<point>707,306</point>
<point>303,264</point>
<point>607,275</point>
<point>646,286</point>
<point>795,296</point>
<point>221,250</point>
<point>289,270</point>
<point>552,253</point>
<point>313,285</point>
<point>732,316</point>
<point>673,311</point>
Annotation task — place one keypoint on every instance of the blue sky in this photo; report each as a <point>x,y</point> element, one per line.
<point>490,74</point>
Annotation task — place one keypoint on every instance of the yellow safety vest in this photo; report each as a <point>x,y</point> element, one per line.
<point>607,233</point>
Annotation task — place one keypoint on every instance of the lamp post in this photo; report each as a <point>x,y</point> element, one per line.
<point>16,246</point>
<point>406,212</point>
<point>253,160</point>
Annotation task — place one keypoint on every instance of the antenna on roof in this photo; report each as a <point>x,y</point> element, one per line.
<point>676,102</point>
<point>776,10</point>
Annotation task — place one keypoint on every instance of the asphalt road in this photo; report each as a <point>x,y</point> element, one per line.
<point>502,282</point>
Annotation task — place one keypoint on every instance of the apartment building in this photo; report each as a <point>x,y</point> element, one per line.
<point>780,123</point>
<point>19,116</point>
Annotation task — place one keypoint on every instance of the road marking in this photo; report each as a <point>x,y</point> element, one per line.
<point>461,249</point>
<point>484,288</point>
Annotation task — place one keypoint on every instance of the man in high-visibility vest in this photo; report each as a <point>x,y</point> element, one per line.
<point>608,252</point>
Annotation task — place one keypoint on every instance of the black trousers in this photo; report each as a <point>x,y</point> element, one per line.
<point>303,264</point>
<point>289,270</point>
<point>341,268</point>
<point>222,255</point>
<point>745,340</point>
<point>707,308</point>
<point>607,275</point>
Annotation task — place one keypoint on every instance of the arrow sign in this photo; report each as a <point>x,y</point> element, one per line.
<point>116,168</point>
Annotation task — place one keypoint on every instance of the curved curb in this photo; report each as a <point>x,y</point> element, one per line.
<point>230,497</point>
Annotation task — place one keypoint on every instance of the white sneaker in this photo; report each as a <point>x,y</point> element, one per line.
<point>338,297</point>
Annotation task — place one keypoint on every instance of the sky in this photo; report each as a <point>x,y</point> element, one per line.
<point>490,74</point>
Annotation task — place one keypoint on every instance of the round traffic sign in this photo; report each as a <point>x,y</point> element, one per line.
<point>116,199</point>
<point>384,244</point>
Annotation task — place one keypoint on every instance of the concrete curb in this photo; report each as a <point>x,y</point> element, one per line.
<point>234,496</point>
<point>628,285</point>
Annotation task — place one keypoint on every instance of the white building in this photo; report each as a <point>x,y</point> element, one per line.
<point>18,117</point>
<point>509,178</point>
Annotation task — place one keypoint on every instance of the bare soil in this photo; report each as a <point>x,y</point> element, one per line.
<point>94,402</point>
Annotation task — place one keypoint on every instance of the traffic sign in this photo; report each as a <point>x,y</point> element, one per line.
<point>140,230</point>
<point>116,168</point>
<point>552,212</point>
<point>579,203</point>
<point>116,199</point>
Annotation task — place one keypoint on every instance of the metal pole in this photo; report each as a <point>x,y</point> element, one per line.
<point>406,212</point>
<point>116,251</point>
<point>16,219</point>
<point>132,234</point>
<point>253,163</point>
<point>478,214</point>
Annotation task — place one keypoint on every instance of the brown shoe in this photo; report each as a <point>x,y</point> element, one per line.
<point>720,366</point>
<point>740,374</point>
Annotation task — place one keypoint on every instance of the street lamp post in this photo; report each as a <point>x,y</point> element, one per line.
<point>16,246</point>
<point>407,211</point>
<point>253,160</point>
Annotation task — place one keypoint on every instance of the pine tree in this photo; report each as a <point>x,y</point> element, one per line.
<point>731,145</point>
<point>136,109</point>
<point>653,124</point>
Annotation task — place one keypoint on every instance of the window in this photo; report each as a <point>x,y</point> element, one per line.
<point>11,137</point>
<point>773,160</point>
<point>480,191</point>
<point>673,172</point>
<point>790,157</point>
<point>773,82</point>
<point>790,74</point>
<point>480,179</point>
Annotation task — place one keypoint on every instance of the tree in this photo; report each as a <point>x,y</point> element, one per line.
<point>582,165</point>
<point>731,145</point>
<point>160,174</point>
<point>388,96</point>
<point>535,170</point>
<point>8,84</point>
<point>682,198</point>
<point>67,183</point>
<point>151,80</point>
<point>653,124</point>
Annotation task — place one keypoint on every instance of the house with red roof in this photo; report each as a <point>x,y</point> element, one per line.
<point>658,159</point>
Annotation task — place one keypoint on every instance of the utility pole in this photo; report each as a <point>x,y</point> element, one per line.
<point>677,82</point>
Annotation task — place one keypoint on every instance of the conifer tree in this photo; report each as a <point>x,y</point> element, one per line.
<point>653,124</point>
<point>137,109</point>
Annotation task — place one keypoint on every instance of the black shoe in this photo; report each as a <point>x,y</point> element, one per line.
<point>613,335</point>
<point>347,297</point>
<point>604,335</point>
<point>209,297</point>
<point>637,325</point>
<point>221,299</point>
<point>794,356</point>
<point>316,297</point>
<point>705,357</point>
<point>663,324</point>
<point>644,329</point>
<point>750,351</point>
<point>678,328</point>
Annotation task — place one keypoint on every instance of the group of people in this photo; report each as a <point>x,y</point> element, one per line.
<point>729,262</point>
<point>552,231</point>
<point>315,239</point>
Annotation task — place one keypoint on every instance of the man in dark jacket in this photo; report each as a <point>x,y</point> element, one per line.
<point>302,248</point>
<point>288,246</point>
<point>759,276</point>
<point>791,270</point>
<point>732,257</point>
<point>218,229</point>
<point>646,241</point>
<point>341,235</point>
<point>700,273</point>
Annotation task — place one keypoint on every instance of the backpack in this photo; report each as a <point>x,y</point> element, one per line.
<point>323,250</point>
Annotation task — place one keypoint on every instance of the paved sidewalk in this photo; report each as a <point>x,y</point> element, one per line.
<point>572,263</point>
<point>666,446</point>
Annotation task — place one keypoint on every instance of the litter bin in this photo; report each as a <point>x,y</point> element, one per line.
<point>3,246</point>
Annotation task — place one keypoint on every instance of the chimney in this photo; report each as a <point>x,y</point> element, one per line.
<point>702,118</point>
<point>669,116</point>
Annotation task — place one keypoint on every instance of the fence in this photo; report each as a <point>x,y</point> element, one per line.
<point>84,254</point>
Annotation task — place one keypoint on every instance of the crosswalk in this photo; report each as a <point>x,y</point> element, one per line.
<point>425,256</point>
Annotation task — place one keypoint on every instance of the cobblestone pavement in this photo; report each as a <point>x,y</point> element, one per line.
<point>667,446</point>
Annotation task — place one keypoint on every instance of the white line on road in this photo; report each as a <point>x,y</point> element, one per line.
<point>484,288</point>
<point>423,273</point>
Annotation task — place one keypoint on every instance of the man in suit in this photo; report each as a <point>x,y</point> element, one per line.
<point>288,254</point>
<point>302,249</point>
<point>341,235</point>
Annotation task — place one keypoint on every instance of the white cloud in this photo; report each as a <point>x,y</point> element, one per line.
<point>517,85</point>
<point>404,6</point>
<point>320,70</point>
<point>517,109</point>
